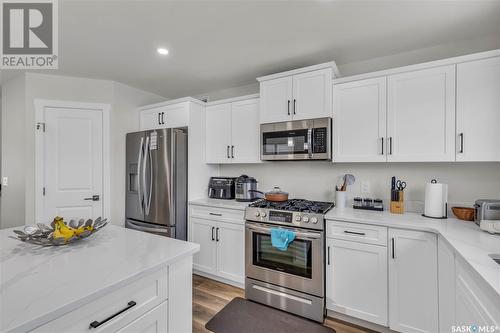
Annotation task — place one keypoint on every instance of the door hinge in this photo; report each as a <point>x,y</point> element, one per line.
<point>40,126</point>
<point>43,191</point>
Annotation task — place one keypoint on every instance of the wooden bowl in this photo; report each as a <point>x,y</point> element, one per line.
<point>463,213</point>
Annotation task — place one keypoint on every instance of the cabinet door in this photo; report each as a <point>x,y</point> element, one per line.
<point>151,119</point>
<point>478,110</point>
<point>360,121</point>
<point>276,100</point>
<point>218,133</point>
<point>312,94</point>
<point>203,233</point>
<point>245,131</point>
<point>413,291</point>
<point>155,321</point>
<point>231,251</point>
<point>421,115</point>
<point>356,282</point>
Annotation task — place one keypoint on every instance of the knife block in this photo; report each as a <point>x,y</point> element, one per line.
<point>398,207</point>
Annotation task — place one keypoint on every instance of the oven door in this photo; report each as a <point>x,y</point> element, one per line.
<point>300,267</point>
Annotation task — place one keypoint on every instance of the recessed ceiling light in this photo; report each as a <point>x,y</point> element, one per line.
<point>162,51</point>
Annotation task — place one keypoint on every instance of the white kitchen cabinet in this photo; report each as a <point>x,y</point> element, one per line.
<point>300,95</point>
<point>360,121</point>
<point>312,94</point>
<point>221,235</point>
<point>356,280</point>
<point>166,116</point>
<point>155,321</point>
<point>421,115</point>
<point>413,281</point>
<point>276,100</point>
<point>218,133</point>
<point>203,232</point>
<point>230,251</point>
<point>475,303</point>
<point>232,132</point>
<point>478,110</point>
<point>245,131</point>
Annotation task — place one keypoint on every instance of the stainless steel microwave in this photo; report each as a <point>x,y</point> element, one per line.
<point>296,140</point>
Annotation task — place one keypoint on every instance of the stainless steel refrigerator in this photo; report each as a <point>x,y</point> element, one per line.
<point>156,199</point>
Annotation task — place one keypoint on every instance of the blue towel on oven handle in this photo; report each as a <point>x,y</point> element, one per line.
<point>281,238</point>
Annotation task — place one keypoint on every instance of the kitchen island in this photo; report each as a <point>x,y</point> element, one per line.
<point>118,280</point>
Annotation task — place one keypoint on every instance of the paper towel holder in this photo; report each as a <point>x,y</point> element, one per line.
<point>445,205</point>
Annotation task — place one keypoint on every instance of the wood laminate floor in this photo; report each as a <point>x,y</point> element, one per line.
<point>209,297</point>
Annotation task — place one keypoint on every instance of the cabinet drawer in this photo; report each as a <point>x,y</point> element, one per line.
<point>363,233</point>
<point>218,214</point>
<point>155,321</point>
<point>147,293</point>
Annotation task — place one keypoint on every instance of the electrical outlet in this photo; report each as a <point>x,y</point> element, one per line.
<point>5,181</point>
<point>365,187</point>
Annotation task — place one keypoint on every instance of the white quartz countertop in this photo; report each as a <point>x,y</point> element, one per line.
<point>471,243</point>
<point>39,284</point>
<point>219,203</point>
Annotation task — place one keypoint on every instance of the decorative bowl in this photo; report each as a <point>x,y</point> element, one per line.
<point>463,213</point>
<point>59,232</point>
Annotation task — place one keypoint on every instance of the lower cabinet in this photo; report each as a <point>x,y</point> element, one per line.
<point>222,248</point>
<point>155,321</point>
<point>356,276</point>
<point>413,281</point>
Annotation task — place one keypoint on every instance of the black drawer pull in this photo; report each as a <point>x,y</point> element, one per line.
<point>354,233</point>
<point>96,323</point>
<point>215,214</point>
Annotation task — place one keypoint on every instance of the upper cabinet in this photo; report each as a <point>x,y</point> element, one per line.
<point>478,110</point>
<point>164,116</point>
<point>360,121</point>
<point>421,115</point>
<point>232,132</point>
<point>297,95</point>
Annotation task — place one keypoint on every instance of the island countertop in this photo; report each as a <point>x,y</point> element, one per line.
<point>39,284</point>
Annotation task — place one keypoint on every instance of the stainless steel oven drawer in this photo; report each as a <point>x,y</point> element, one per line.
<point>288,300</point>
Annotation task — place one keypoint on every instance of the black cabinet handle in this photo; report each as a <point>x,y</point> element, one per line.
<point>232,151</point>
<point>328,256</point>
<point>382,146</point>
<point>393,250</point>
<point>215,214</point>
<point>294,105</point>
<point>163,118</point>
<point>227,151</point>
<point>96,323</point>
<point>461,135</point>
<point>354,233</point>
<point>213,238</point>
<point>390,145</point>
<point>288,107</point>
<point>217,234</point>
<point>159,118</point>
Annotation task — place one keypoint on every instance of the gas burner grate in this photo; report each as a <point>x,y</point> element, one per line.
<point>295,205</point>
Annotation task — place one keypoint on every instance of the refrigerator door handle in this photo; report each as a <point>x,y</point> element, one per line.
<point>139,161</point>
<point>147,154</point>
<point>173,167</point>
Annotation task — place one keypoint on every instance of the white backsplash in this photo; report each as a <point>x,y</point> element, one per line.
<point>316,179</point>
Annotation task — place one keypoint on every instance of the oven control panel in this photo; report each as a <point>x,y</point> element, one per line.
<point>296,219</point>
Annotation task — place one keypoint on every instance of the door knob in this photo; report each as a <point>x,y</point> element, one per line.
<point>93,198</point>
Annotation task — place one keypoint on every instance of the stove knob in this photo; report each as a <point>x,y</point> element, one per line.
<point>257,214</point>
<point>314,220</point>
<point>305,219</point>
<point>263,214</point>
<point>297,218</point>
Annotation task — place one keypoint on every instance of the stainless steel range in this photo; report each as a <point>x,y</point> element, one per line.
<point>292,280</point>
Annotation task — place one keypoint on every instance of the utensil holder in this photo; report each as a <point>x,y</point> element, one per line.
<point>340,199</point>
<point>398,207</point>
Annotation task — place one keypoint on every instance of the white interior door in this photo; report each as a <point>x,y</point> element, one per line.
<point>72,163</point>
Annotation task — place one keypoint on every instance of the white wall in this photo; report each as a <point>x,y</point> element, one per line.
<point>18,134</point>
<point>316,180</point>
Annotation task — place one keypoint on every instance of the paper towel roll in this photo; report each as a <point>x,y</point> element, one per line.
<point>436,199</point>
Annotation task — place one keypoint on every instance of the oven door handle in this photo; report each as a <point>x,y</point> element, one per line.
<point>298,234</point>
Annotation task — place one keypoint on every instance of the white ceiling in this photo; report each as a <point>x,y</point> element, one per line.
<point>220,44</point>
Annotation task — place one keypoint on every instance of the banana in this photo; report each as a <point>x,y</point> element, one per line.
<point>62,230</point>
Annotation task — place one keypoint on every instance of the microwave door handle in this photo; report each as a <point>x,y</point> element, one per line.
<point>310,143</point>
